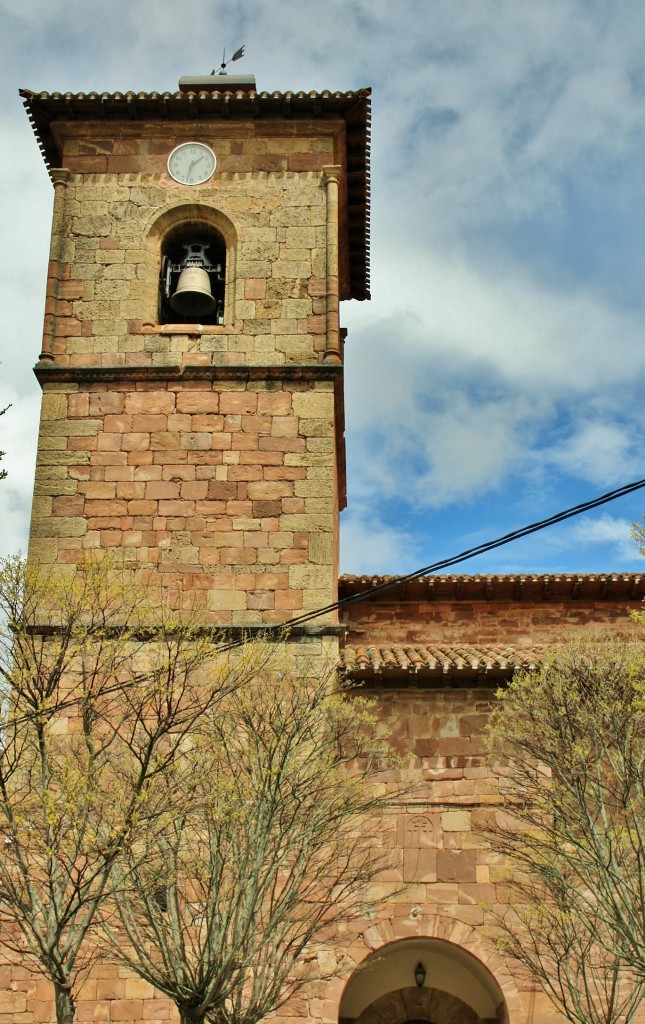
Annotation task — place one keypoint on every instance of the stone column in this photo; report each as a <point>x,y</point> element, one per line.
<point>331,177</point>
<point>60,177</point>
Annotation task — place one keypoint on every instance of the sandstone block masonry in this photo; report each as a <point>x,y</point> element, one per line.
<point>211,454</point>
<point>267,200</point>
<point>225,488</point>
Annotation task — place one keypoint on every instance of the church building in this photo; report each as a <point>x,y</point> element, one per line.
<point>192,418</point>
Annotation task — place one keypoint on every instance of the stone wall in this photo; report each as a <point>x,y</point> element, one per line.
<point>443,881</point>
<point>267,200</point>
<point>213,454</point>
<point>227,488</point>
<point>529,622</point>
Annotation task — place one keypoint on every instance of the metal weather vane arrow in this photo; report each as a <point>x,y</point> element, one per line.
<point>236,56</point>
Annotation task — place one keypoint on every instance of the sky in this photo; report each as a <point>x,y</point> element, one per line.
<point>497,375</point>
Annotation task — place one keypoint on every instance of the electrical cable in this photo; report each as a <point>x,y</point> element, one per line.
<point>444,563</point>
<point>282,629</point>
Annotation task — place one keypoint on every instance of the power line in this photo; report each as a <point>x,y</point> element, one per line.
<point>445,563</point>
<point>399,581</point>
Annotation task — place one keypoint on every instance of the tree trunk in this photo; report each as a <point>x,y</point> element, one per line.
<point>65,1006</point>
<point>189,1015</point>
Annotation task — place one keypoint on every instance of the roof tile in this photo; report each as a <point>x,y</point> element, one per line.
<point>43,108</point>
<point>440,660</point>
<point>616,586</point>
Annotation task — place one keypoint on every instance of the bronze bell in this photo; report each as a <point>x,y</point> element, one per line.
<point>193,296</point>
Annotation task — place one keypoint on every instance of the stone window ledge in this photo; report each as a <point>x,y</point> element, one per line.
<point>138,327</point>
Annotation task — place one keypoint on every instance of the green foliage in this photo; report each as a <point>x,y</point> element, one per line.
<point>235,897</point>
<point>103,688</point>
<point>569,745</point>
<point>638,533</point>
<point>213,812</point>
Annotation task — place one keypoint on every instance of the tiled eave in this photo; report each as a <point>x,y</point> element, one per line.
<point>517,587</point>
<point>211,105</point>
<point>437,665</point>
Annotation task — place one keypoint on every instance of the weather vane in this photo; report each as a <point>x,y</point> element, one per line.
<point>222,68</point>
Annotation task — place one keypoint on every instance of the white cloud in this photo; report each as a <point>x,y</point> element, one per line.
<point>18,434</point>
<point>612,534</point>
<point>604,528</point>
<point>473,367</point>
<point>29,14</point>
<point>534,336</point>
<point>370,546</point>
<point>537,91</point>
<point>461,450</point>
<point>462,375</point>
<point>603,453</point>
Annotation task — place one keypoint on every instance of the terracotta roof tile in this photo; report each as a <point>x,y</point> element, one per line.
<point>515,587</point>
<point>44,108</point>
<point>439,660</point>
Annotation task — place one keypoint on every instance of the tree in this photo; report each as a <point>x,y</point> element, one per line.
<point>569,744</point>
<point>3,472</point>
<point>103,687</point>
<point>232,901</point>
<point>638,533</point>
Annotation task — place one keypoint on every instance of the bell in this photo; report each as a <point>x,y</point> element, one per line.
<point>193,296</point>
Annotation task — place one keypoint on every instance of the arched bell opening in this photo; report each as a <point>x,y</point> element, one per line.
<point>422,981</point>
<point>192,284</point>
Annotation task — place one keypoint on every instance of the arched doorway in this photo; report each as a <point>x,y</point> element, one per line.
<point>457,987</point>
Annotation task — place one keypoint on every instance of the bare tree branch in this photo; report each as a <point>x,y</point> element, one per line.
<point>103,688</point>
<point>569,746</point>
<point>3,472</point>
<point>276,845</point>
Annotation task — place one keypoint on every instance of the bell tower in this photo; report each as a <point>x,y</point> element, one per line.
<point>192,360</point>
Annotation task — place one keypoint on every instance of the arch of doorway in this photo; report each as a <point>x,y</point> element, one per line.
<point>395,931</point>
<point>417,1005</point>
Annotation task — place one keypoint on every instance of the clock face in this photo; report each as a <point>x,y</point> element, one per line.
<point>191,163</point>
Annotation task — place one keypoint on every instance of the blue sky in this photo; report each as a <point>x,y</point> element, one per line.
<point>497,375</point>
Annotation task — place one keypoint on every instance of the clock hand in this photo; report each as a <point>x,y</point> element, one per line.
<point>193,163</point>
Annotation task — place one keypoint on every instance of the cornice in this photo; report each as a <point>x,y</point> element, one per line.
<point>47,373</point>
<point>535,587</point>
<point>45,109</point>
